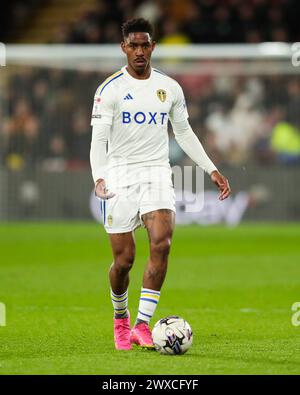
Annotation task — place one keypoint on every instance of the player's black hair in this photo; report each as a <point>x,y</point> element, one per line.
<point>137,25</point>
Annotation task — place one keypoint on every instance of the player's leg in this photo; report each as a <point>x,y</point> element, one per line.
<point>123,248</point>
<point>120,218</point>
<point>160,226</point>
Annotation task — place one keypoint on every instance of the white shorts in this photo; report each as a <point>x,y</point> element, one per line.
<point>123,212</point>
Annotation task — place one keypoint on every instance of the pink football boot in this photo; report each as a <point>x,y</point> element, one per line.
<point>122,333</point>
<point>141,335</point>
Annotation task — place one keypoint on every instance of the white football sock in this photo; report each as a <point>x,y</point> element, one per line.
<point>148,303</point>
<point>120,304</point>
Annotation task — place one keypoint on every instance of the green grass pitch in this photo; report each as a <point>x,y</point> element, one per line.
<point>234,286</point>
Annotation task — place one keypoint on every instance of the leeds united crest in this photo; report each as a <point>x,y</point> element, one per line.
<point>162,95</point>
<point>110,220</point>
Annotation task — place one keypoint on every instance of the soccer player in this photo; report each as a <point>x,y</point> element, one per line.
<point>133,175</point>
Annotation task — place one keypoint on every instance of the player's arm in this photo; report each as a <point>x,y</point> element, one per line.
<point>98,159</point>
<point>191,145</point>
<point>102,116</point>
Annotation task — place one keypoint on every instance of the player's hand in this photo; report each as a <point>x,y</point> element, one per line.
<point>101,190</point>
<point>222,183</point>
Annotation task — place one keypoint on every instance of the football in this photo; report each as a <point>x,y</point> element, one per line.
<point>172,335</point>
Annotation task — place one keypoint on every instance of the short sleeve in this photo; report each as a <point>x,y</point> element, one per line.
<point>179,111</point>
<point>103,108</point>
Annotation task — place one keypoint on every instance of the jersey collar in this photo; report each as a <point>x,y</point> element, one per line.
<point>136,80</point>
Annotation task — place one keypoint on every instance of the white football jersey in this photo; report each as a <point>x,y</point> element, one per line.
<point>138,112</point>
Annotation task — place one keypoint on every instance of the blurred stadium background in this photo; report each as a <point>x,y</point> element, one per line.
<point>236,287</point>
<point>243,97</point>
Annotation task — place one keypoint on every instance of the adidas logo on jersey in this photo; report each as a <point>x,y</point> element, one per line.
<point>128,97</point>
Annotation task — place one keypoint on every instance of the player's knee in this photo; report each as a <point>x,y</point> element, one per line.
<point>161,247</point>
<point>123,262</point>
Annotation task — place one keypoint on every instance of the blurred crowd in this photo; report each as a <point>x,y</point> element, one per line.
<point>47,119</point>
<point>188,21</point>
<point>175,21</point>
<point>240,120</point>
<point>15,15</point>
